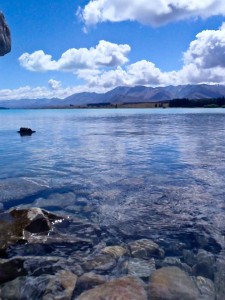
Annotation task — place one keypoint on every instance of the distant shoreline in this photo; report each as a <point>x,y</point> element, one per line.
<point>176,103</point>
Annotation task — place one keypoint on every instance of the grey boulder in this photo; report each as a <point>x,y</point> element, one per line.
<point>5,36</point>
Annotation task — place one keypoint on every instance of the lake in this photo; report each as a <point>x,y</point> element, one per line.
<point>138,173</point>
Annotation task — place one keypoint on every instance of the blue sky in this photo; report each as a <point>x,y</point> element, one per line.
<point>66,46</point>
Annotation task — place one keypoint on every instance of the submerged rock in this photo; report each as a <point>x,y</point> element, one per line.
<point>46,287</point>
<point>115,251</point>
<point>22,225</point>
<point>40,265</point>
<point>101,263</point>
<point>220,278</point>
<point>119,289</point>
<point>17,224</point>
<point>205,265</point>
<point>145,249</point>
<point>141,268</point>
<point>171,283</point>
<point>12,289</point>
<point>34,231</point>
<point>206,287</point>
<point>11,269</point>
<point>189,257</point>
<point>60,286</point>
<point>89,281</point>
<point>175,262</point>
<point>5,36</point>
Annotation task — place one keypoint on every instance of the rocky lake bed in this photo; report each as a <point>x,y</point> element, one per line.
<point>50,256</point>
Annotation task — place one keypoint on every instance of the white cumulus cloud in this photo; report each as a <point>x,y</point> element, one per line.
<point>54,84</point>
<point>208,50</point>
<point>37,61</point>
<point>106,66</point>
<point>155,12</point>
<point>105,54</point>
<point>204,62</point>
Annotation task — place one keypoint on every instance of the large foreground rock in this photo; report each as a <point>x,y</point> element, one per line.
<point>120,289</point>
<point>21,224</point>
<point>5,36</point>
<point>171,283</point>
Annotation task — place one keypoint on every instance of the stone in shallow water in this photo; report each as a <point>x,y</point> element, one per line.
<point>205,265</point>
<point>46,287</point>
<point>145,249</point>
<point>63,246</point>
<point>176,262</point>
<point>141,268</point>
<point>208,238</point>
<point>89,281</point>
<point>115,251</point>
<point>126,288</point>
<point>12,268</point>
<point>220,278</point>
<point>12,289</point>
<point>206,287</point>
<point>16,221</point>
<point>102,263</point>
<point>39,265</point>
<point>171,283</point>
<point>42,231</point>
<point>189,257</point>
<point>60,286</point>
<point>21,224</point>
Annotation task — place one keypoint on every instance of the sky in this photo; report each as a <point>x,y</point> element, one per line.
<point>62,47</point>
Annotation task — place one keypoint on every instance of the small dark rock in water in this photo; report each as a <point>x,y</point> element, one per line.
<point>25,131</point>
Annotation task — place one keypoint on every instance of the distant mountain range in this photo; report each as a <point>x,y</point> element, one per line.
<point>119,95</point>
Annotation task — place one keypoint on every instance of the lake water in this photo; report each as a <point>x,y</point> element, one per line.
<point>155,174</point>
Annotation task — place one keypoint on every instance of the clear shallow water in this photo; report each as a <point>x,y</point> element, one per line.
<point>145,173</point>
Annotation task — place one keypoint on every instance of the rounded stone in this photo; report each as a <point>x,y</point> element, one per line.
<point>145,249</point>
<point>89,281</point>
<point>119,289</point>
<point>100,262</point>
<point>171,283</point>
<point>115,251</point>
<point>141,268</point>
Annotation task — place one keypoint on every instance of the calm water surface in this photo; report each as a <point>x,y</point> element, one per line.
<point>147,173</point>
